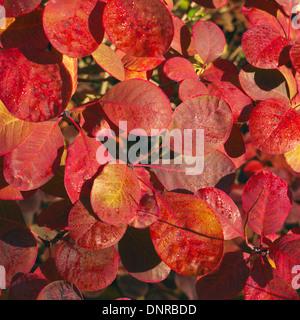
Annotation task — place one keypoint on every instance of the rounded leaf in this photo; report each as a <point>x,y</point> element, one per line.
<point>209,40</point>
<point>18,248</point>
<point>226,211</point>
<point>138,102</point>
<point>40,87</point>
<point>188,236</point>
<point>116,194</point>
<point>16,8</point>
<point>89,270</point>
<point>87,231</point>
<point>141,261</point>
<point>275,127</point>
<point>60,290</point>
<point>139,28</point>
<point>35,161</point>
<point>74,27</point>
<point>263,47</point>
<point>272,202</point>
<point>208,113</point>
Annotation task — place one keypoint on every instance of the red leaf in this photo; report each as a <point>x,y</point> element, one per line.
<point>182,36</point>
<point>35,161</point>
<point>18,248</point>
<point>261,12</point>
<point>81,165</point>
<point>60,290</point>
<point>74,27</point>
<point>265,283</point>
<point>8,192</point>
<point>178,69</point>
<point>141,261</point>
<point>219,70</point>
<point>40,86</point>
<point>274,127</point>
<point>16,8</point>
<point>25,31</point>
<point>272,200</point>
<point>226,211</point>
<point>55,216</point>
<point>227,280</point>
<point>285,252</point>
<point>263,47</point>
<point>295,56</point>
<point>116,194</point>
<point>208,113</point>
<point>139,28</point>
<point>27,287</point>
<point>218,169</point>
<point>188,236</point>
<point>209,40</point>
<point>262,84</point>
<point>142,104</point>
<point>89,270</point>
<point>88,232</point>
<point>190,88</point>
<point>240,104</point>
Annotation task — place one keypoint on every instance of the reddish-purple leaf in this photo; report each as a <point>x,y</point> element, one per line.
<point>18,248</point>
<point>27,287</point>
<point>188,237</point>
<point>208,113</point>
<point>219,70</point>
<point>189,88</point>
<point>8,192</point>
<point>182,36</point>
<point>116,194</point>
<point>209,40</point>
<point>16,8</point>
<point>226,211</point>
<point>295,56</point>
<point>178,69</point>
<point>263,47</point>
<point>35,161</point>
<point>141,103</point>
<point>275,127</point>
<point>74,27</point>
<point>139,28</point>
<point>60,290</point>
<point>265,283</point>
<point>263,12</point>
<point>88,231</point>
<point>81,165</point>
<point>266,202</point>
<point>217,169</point>
<point>89,270</point>
<point>141,261</point>
<point>227,280</point>
<point>240,104</point>
<point>235,147</point>
<point>262,84</point>
<point>40,87</point>
<point>285,252</point>
<point>25,31</point>
<point>56,215</point>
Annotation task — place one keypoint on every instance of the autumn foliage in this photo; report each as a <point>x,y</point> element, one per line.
<point>71,69</point>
